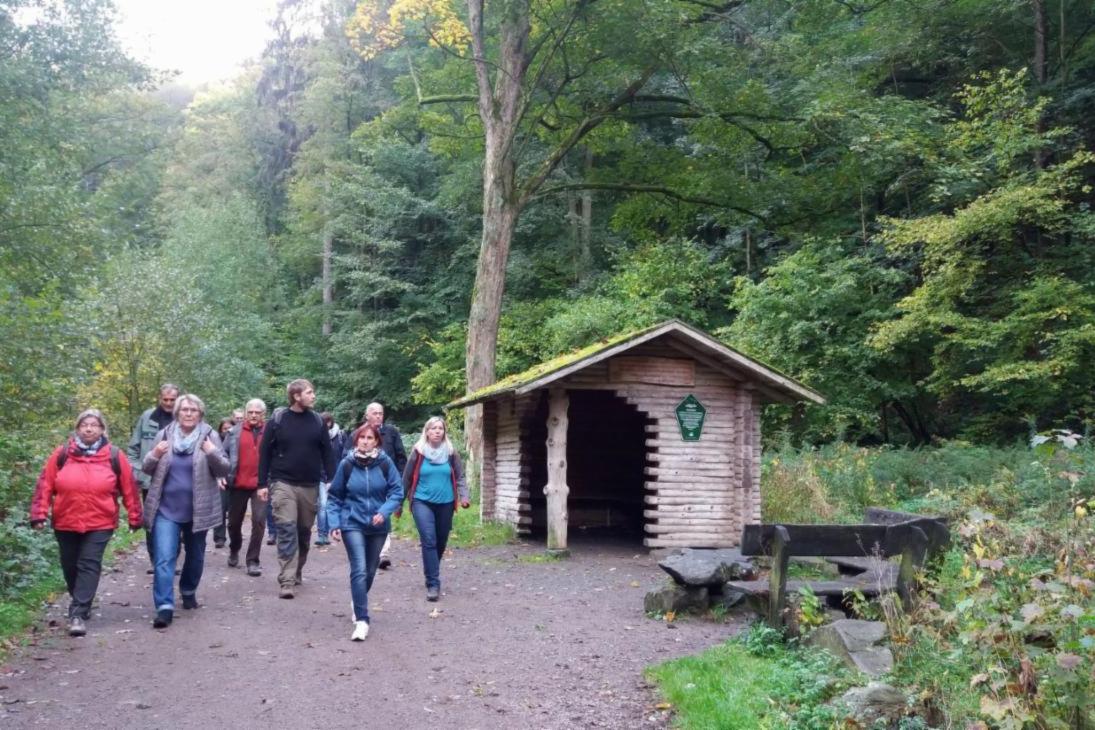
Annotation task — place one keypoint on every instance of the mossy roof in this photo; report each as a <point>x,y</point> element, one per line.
<point>776,385</point>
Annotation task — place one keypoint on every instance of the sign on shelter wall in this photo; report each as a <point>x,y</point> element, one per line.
<point>690,415</point>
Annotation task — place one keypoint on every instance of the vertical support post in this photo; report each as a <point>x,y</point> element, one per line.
<point>777,580</point>
<point>557,489</point>
<point>913,553</point>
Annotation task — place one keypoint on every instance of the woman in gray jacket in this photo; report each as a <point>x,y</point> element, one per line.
<point>183,503</point>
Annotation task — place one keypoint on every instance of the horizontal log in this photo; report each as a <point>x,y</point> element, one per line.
<point>722,510</point>
<point>701,471</point>
<point>693,530</point>
<point>818,540</point>
<point>709,480</point>
<point>657,542</point>
<point>670,500</point>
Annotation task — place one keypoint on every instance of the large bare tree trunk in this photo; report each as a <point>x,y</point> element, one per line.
<point>500,110</point>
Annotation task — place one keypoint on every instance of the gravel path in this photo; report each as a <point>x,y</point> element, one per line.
<point>515,642</point>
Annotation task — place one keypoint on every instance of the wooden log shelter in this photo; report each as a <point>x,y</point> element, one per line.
<point>653,435</point>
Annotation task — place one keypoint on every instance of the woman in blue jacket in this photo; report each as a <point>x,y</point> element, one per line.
<point>366,490</point>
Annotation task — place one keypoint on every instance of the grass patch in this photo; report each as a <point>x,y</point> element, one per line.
<point>468,531</point>
<point>754,681</point>
<point>544,557</point>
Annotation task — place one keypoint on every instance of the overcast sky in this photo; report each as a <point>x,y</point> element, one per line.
<point>206,40</point>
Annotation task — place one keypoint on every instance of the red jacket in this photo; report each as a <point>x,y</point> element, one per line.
<point>83,495</point>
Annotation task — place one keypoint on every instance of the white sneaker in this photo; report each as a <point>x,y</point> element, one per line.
<point>361,630</point>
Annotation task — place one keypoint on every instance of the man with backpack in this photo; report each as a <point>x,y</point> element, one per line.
<point>242,447</point>
<point>294,455</point>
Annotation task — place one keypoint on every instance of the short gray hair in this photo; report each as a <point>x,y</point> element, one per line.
<point>90,413</point>
<point>170,386</point>
<point>188,398</point>
<point>255,402</point>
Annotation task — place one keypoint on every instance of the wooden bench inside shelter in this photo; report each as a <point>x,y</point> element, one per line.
<point>864,550</point>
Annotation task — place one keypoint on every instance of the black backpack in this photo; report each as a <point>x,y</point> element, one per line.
<point>115,462</point>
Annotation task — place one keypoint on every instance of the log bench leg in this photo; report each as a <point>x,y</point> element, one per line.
<point>777,581</point>
<point>912,558</point>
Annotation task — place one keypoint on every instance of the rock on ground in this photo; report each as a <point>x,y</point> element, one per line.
<point>713,567</point>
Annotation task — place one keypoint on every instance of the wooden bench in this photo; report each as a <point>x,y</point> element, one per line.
<point>873,543</point>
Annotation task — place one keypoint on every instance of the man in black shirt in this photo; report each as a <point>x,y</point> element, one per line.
<point>294,453</point>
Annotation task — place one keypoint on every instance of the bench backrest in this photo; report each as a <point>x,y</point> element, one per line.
<point>881,541</point>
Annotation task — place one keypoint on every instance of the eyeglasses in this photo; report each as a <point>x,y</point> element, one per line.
<point>189,409</point>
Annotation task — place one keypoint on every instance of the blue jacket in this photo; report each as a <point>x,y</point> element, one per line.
<point>352,502</point>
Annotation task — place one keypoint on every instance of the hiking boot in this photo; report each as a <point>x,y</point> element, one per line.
<point>432,593</point>
<point>322,541</point>
<point>285,592</point>
<point>298,581</point>
<point>254,569</point>
<point>233,558</point>
<point>190,602</point>
<point>385,562</point>
<point>218,544</point>
<point>270,540</point>
<point>163,618</point>
<point>76,626</point>
<point>361,630</point>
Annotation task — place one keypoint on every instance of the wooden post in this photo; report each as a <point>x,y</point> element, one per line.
<point>912,558</point>
<point>777,580</point>
<point>556,489</point>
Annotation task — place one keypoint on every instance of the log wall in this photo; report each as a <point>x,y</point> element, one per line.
<point>696,494</point>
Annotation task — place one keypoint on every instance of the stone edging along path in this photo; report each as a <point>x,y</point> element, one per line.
<point>514,642</point>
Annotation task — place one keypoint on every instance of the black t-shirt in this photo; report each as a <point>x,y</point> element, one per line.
<point>161,417</point>
<point>295,448</point>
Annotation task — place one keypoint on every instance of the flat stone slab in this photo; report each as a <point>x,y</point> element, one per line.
<point>854,642</point>
<point>677,599</point>
<point>698,567</point>
<point>875,701</point>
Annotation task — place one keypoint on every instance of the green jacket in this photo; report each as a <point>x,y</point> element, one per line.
<point>140,443</point>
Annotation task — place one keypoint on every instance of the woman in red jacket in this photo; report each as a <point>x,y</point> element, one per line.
<point>79,488</point>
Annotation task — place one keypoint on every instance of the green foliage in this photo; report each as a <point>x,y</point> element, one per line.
<point>755,681</point>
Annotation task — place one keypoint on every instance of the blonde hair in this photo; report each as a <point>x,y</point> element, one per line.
<point>422,442</point>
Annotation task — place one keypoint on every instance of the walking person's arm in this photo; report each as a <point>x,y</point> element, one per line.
<point>43,491</point>
<point>130,496</point>
<point>336,495</point>
<point>461,482</point>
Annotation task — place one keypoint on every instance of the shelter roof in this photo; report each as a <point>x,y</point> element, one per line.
<point>689,341</point>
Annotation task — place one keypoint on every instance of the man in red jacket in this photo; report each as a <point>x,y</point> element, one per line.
<point>242,447</point>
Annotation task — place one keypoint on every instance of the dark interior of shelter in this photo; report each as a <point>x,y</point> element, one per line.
<point>606,455</point>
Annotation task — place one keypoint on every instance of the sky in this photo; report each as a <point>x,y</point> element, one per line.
<point>206,40</point>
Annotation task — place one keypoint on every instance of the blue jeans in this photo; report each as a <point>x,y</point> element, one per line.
<point>165,550</point>
<point>364,554</point>
<point>434,523</point>
<point>321,512</point>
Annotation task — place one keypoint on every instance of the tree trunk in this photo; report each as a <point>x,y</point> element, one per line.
<point>328,283</point>
<point>1040,56</point>
<point>499,109</point>
<point>585,224</point>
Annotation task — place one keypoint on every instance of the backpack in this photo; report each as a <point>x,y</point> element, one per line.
<point>280,412</point>
<point>115,462</point>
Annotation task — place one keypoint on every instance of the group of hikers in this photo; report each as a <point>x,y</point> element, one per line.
<point>179,478</point>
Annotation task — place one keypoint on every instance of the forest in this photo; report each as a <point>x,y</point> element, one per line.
<point>403,200</point>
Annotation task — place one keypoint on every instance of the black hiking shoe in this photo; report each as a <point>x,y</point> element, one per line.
<point>190,602</point>
<point>163,619</point>
<point>233,558</point>
<point>433,593</point>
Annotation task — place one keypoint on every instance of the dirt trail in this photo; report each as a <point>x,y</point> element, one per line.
<point>517,644</point>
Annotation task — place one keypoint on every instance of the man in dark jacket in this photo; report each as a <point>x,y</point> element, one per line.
<point>392,443</point>
<point>294,455</point>
<point>143,439</point>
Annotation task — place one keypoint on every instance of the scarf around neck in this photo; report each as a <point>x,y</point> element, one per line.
<point>183,444</point>
<point>89,449</point>
<point>436,454</point>
<point>366,458</point>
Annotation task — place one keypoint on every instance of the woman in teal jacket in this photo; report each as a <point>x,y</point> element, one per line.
<point>366,490</point>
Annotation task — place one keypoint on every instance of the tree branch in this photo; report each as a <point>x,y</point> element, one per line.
<point>651,190</point>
